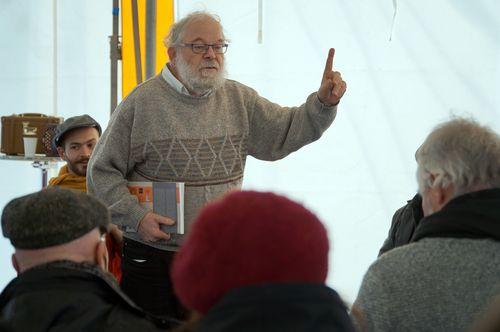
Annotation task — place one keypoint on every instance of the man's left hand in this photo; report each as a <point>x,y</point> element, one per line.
<point>332,86</point>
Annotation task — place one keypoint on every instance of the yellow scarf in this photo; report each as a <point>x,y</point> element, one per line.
<point>68,180</point>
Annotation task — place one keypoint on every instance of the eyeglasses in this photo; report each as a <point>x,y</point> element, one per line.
<point>203,48</point>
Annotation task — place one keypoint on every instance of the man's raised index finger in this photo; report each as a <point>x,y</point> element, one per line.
<point>329,61</point>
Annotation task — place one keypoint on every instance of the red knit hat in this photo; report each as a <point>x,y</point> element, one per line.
<point>248,238</point>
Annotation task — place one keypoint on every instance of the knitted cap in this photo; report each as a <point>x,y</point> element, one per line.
<point>74,122</point>
<point>52,217</point>
<point>248,238</point>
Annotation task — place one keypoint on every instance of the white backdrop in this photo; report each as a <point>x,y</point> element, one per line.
<point>443,59</point>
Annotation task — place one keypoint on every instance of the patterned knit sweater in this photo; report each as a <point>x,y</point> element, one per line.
<point>436,284</point>
<point>158,134</point>
<point>445,278</point>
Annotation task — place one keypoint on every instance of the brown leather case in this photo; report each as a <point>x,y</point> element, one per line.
<point>14,126</point>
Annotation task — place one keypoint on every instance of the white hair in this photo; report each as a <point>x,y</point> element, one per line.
<point>176,31</point>
<point>459,153</point>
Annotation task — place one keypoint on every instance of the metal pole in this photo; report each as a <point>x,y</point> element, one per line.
<point>44,178</point>
<point>54,58</point>
<point>137,42</point>
<point>259,32</point>
<point>114,56</point>
<point>150,38</point>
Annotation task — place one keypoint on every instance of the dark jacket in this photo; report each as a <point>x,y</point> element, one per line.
<point>404,223</point>
<point>474,215</point>
<point>68,296</point>
<point>278,307</point>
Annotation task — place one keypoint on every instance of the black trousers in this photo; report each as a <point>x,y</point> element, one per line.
<point>146,279</point>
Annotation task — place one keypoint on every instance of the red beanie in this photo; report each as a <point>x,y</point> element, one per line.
<point>248,238</point>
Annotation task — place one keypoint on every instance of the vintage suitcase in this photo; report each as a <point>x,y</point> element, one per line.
<point>15,126</point>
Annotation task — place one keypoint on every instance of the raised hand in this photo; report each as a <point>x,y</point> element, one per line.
<point>332,86</point>
<point>149,227</point>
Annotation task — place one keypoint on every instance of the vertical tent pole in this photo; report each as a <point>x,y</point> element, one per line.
<point>137,42</point>
<point>150,38</point>
<point>114,56</point>
<point>54,58</point>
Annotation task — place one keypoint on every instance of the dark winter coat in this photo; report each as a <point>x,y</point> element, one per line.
<point>68,296</point>
<point>278,307</point>
<point>404,223</point>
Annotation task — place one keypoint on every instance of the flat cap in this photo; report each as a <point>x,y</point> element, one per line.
<point>52,217</point>
<point>74,122</point>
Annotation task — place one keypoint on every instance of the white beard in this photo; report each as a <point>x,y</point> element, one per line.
<point>200,81</point>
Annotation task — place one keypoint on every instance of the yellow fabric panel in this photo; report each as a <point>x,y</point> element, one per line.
<point>164,18</point>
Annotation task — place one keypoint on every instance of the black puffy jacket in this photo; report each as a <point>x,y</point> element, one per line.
<point>67,296</point>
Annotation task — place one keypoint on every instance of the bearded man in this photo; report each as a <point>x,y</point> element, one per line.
<point>75,140</point>
<point>190,124</point>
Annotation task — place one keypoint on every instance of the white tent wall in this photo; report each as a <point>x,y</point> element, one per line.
<point>27,82</point>
<point>443,59</point>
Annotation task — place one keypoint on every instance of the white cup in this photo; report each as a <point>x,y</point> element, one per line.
<point>30,146</point>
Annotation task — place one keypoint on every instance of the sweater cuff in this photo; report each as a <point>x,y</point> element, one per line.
<point>322,106</point>
<point>137,212</point>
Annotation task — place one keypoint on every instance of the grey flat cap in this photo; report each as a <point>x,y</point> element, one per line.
<point>74,122</point>
<point>52,217</point>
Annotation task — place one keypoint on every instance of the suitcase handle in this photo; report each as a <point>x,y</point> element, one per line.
<point>33,114</point>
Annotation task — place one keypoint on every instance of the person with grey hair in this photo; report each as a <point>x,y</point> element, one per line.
<point>191,124</point>
<point>61,260</point>
<point>450,272</point>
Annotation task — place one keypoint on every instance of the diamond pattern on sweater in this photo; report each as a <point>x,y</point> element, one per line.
<point>192,160</point>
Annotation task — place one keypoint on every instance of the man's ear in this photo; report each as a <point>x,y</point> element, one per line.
<point>15,264</point>
<point>102,258</point>
<point>440,197</point>
<point>60,151</point>
<point>171,51</point>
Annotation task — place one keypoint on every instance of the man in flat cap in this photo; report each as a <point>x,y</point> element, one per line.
<point>75,140</point>
<point>61,260</point>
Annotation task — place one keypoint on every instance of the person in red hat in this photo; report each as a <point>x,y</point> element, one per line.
<point>257,262</point>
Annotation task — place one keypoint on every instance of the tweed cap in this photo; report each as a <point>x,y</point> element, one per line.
<point>248,238</point>
<point>74,122</point>
<point>52,217</point>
